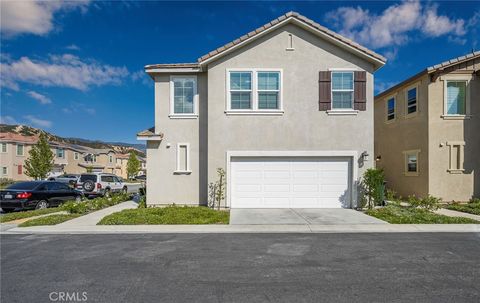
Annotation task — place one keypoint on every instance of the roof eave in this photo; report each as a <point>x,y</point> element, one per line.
<point>377,62</point>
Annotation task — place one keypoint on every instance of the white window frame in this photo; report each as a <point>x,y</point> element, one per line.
<point>179,171</point>
<point>332,71</point>
<point>456,78</point>
<point>63,153</point>
<point>461,157</point>
<point>1,147</point>
<point>254,110</point>
<point>110,159</point>
<point>23,150</point>
<point>414,86</point>
<point>395,112</point>
<point>407,153</point>
<point>174,115</point>
<point>6,171</point>
<point>75,155</point>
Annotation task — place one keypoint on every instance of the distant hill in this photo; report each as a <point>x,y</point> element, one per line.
<point>32,131</point>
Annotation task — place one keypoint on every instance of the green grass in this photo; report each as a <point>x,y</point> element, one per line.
<point>48,220</point>
<point>471,207</point>
<point>27,214</point>
<point>408,215</point>
<point>167,215</point>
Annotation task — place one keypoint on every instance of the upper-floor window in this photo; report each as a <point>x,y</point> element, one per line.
<point>412,101</point>
<point>183,98</point>
<point>342,90</point>
<point>110,159</point>
<point>391,109</point>
<point>268,90</point>
<point>255,90</point>
<point>20,149</point>
<point>75,156</point>
<point>455,99</point>
<point>241,90</point>
<point>3,147</point>
<point>60,153</point>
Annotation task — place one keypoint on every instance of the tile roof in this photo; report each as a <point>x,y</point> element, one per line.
<point>263,28</point>
<point>149,133</point>
<point>301,18</point>
<point>431,70</point>
<point>453,61</point>
<point>11,137</point>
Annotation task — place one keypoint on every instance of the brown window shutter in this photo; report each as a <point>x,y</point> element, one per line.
<point>360,88</point>
<point>325,90</point>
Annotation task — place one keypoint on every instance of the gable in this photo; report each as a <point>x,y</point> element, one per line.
<point>298,20</point>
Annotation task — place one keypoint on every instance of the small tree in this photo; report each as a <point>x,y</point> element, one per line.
<point>372,182</point>
<point>40,159</point>
<point>217,190</point>
<point>133,166</point>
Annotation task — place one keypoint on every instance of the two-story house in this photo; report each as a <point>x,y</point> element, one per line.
<point>14,150</point>
<point>427,131</point>
<point>286,110</point>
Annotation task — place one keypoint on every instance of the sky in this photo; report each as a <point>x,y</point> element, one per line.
<point>76,68</point>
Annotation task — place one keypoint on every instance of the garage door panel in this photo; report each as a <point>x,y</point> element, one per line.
<point>290,182</point>
<point>276,187</point>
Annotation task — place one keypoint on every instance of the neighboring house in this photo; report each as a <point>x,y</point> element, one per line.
<point>68,158</point>
<point>14,150</point>
<point>121,165</point>
<point>427,131</point>
<point>286,110</point>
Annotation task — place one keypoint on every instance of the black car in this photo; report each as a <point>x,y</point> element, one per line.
<point>36,195</point>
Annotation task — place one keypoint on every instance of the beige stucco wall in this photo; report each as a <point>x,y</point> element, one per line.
<point>12,161</point>
<point>405,133</point>
<point>163,185</point>
<point>444,184</point>
<point>302,127</point>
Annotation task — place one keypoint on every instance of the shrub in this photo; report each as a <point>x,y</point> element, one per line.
<point>390,194</point>
<point>428,203</point>
<point>4,182</point>
<point>94,204</point>
<point>143,202</point>
<point>373,184</point>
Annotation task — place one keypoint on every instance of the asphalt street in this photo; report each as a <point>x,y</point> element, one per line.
<point>417,267</point>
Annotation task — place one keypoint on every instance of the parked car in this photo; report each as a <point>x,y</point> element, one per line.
<point>100,184</point>
<point>141,178</point>
<point>70,179</point>
<point>36,195</point>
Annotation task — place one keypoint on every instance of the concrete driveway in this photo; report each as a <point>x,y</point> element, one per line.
<point>300,216</point>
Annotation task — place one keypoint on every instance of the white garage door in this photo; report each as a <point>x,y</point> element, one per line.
<point>293,182</point>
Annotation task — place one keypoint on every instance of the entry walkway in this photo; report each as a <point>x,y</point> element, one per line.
<point>93,218</point>
<point>300,216</point>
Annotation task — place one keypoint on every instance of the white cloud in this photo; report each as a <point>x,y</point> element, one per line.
<point>141,76</point>
<point>34,17</point>
<point>7,120</point>
<point>61,71</point>
<point>38,122</point>
<point>394,25</point>
<point>72,47</point>
<point>75,107</point>
<point>39,97</point>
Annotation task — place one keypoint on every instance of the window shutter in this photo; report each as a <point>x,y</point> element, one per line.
<point>19,169</point>
<point>325,90</point>
<point>360,88</point>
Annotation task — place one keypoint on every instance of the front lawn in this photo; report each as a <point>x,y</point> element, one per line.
<point>472,207</point>
<point>27,214</point>
<point>49,220</point>
<point>167,215</point>
<point>409,215</point>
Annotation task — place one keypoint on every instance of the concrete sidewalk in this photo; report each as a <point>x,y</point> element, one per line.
<point>93,218</point>
<point>145,229</point>
<point>453,213</point>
